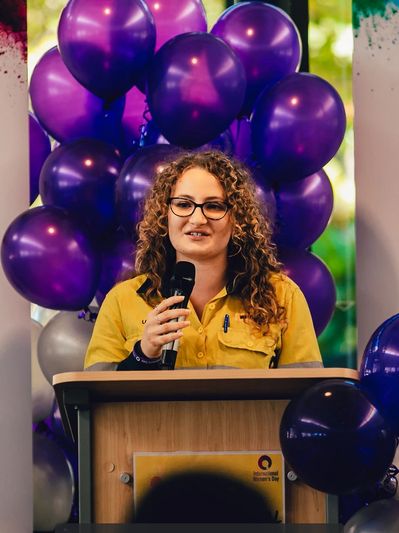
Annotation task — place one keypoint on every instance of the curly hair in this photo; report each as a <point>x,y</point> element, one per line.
<point>251,253</point>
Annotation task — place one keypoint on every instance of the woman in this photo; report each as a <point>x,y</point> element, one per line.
<point>243,312</point>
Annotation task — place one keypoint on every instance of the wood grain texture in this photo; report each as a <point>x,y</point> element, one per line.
<point>120,429</point>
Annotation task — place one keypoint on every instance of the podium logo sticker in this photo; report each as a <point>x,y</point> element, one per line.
<point>264,462</point>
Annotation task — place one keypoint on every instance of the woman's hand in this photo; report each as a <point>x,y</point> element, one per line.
<point>159,331</point>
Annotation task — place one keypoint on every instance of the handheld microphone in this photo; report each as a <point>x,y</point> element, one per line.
<point>181,284</point>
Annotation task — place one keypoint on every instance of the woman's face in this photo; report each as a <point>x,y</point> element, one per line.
<point>195,237</point>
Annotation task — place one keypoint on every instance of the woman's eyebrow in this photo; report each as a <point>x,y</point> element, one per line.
<point>208,198</point>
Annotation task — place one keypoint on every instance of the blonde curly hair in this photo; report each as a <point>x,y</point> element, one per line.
<point>251,254</point>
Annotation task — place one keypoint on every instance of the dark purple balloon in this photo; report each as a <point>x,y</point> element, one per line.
<point>222,143</point>
<point>39,149</point>
<point>117,264</point>
<point>196,86</point>
<point>80,177</point>
<point>316,282</point>
<point>265,39</point>
<point>240,130</point>
<point>136,179</point>
<point>297,126</point>
<point>304,208</point>
<point>173,17</point>
<point>379,370</point>
<point>106,43</point>
<point>50,260</point>
<point>335,439</point>
<point>67,110</point>
<point>265,195</point>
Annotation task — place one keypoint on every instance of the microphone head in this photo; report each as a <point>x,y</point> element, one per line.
<point>184,270</point>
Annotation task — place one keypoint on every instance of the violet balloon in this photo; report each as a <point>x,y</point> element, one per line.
<point>136,179</point>
<point>265,39</point>
<point>316,282</point>
<point>297,126</point>
<point>117,264</point>
<point>240,130</point>
<point>335,439</point>
<point>67,110</point>
<point>106,45</point>
<point>173,17</point>
<point>39,149</point>
<point>80,177</point>
<point>304,208</point>
<point>196,86</point>
<point>50,260</point>
<point>379,370</point>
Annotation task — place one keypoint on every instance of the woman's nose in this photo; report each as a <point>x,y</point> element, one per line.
<point>198,216</point>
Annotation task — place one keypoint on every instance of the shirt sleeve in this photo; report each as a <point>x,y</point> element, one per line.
<point>299,347</point>
<point>107,344</point>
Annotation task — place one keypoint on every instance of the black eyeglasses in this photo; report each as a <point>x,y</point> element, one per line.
<point>183,207</point>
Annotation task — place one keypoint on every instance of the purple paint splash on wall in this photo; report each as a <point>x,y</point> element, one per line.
<point>13,27</point>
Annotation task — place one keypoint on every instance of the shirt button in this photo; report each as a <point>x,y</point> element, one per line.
<point>200,355</point>
<point>250,343</point>
<point>200,329</point>
<point>211,306</point>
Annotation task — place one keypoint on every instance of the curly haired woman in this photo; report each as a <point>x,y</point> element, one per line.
<point>243,312</point>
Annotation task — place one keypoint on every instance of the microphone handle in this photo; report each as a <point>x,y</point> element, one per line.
<point>169,350</point>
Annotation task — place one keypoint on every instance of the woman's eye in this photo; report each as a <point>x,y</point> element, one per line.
<point>183,205</point>
<point>214,206</point>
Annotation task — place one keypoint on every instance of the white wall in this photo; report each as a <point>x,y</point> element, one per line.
<point>15,382</point>
<point>376,99</point>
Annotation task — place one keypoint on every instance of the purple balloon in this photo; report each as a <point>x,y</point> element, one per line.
<point>297,126</point>
<point>39,149</point>
<point>265,195</point>
<point>117,264</point>
<point>49,260</point>
<point>265,39</point>
<point>316,282</point>
<point>67,110</point>
<point>222,143</point>
<point>80,177</point>
<point>379,370</point>
<point>335,439</point>
<point>240,130</point>
<point>106,44</point>
<point>173,17</point>
<point>136,179</point>
<point>196,86</point>
<point>304,208</point>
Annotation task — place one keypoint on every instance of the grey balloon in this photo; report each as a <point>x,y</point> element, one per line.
<point>378,517</point>
<point>53,485</point>
<point>63,343</point>
<point>42,392</point>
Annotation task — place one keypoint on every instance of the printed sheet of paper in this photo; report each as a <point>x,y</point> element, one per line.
<point>264,470</point>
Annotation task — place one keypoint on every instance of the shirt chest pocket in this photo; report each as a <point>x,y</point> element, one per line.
<point>241,349</point>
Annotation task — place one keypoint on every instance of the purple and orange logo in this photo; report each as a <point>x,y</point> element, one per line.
<point>264,462</point>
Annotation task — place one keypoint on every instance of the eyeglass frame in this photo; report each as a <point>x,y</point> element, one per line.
<point>201,206</point>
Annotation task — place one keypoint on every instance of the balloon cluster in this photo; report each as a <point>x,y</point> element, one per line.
<point>132,83</point>
<point>340,437</point>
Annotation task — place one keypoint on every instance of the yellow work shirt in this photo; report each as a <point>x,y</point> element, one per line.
<point>205,343</point>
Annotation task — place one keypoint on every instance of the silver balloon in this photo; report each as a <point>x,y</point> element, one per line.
<point>42,391</point>
<point>378,517</point>
<point>53,485</point>
<point>63,343</point>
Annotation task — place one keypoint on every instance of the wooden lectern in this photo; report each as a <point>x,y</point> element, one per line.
<point>111,415</point>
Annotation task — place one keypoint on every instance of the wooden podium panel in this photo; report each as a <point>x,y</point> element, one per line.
<point>195,410</point>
